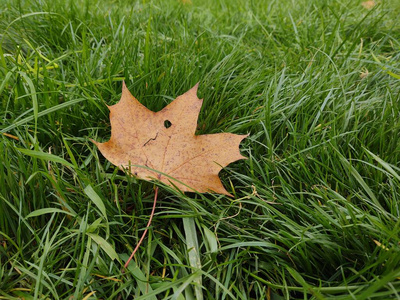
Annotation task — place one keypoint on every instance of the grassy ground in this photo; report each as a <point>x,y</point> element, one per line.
<point>317,202</point>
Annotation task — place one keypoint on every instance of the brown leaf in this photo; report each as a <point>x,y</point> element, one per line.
<point>368,4</point>
<point>163,145</point>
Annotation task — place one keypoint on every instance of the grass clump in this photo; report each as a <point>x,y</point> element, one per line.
<point>316,208</point>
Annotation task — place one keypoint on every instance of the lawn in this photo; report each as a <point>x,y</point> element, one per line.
<point>316,206</point>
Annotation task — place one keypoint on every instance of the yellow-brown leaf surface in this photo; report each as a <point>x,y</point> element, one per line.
<point>163,145</point>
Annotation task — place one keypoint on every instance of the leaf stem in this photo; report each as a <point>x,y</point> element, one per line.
<point>147,228</point>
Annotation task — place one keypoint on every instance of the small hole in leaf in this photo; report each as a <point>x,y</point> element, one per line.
<point>167,123</point>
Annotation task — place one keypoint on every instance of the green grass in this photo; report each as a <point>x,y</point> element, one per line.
<point>317,202</point>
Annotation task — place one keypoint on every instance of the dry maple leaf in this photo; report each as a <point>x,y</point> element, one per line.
<point>163,145</point>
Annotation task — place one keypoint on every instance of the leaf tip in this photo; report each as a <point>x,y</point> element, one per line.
<point>94,142</point>
<point>195,88</point>
<point>125,89</point>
